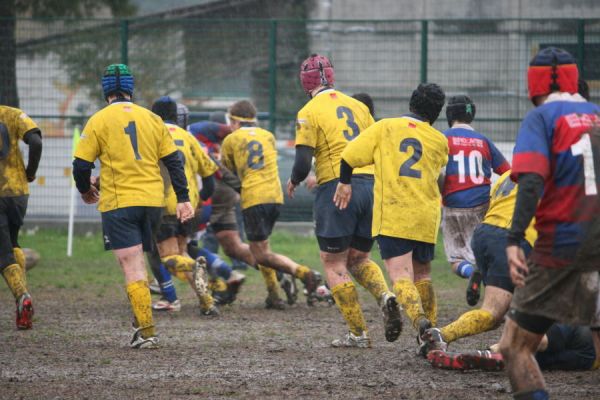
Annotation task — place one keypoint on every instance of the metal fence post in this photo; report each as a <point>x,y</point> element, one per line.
<point>124,41</point>
<point>272,75</point>
<point>581,46</point>
<point>424,51</point>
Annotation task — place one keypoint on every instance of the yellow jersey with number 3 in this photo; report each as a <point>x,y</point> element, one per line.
<point>408,155</point>
<point>14,124</point>
<point>251,153</point>
<point>327,123</point>
<point>503,198</point>
<point>129,140</point>
<point>195,162</point>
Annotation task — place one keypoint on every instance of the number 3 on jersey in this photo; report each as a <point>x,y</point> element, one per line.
<point>345,112</point>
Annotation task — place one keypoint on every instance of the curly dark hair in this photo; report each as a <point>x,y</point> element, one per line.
<point>427,101</point>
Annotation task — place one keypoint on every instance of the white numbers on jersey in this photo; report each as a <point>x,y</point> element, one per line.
<point>475,160</point>
<point>584,148</point>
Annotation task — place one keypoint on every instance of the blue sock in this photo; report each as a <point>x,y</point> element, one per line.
<point>465,269</point>
<point>216,265</point>
<point>166,284</point>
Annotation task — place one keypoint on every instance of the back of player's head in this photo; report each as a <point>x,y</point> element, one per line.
<point>367,100</point>
<point>460,109</point>
<point>183,114</point>
<point>243,111</point>
<point>166,108</point>
<point>583,89</point>
<point>117,79</point>
<point>552,70</point>
<point>427,101</point>
<point>316,71</point>
<point>218,116</point>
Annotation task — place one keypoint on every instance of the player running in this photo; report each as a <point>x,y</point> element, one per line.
<point>250,152</point>
<point>555,162</point>
<point>325,126</point>
<point>15,125</point>
<point>408,154</point>
<point>129,141</point>
<point>466,189</point>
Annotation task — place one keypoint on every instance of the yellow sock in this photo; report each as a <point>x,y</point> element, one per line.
<point>346,298</point>
<point>428,299</point>
<point>369,275</point>
<point>15,279</point>
<point>302,271</point>
<point>22,261</point>
<point>217,285</point>
<point>270,278</point>
<point>141,304</point>
<point>206,301</point>
<point>178,263</point>
<point>408,296</point>
<point>470,323</point>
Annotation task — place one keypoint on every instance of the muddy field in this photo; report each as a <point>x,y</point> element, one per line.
<point>78,350</point>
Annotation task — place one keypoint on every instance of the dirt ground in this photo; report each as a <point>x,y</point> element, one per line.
<point>78,350</point>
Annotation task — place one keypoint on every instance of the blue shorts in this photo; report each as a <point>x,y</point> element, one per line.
<point>394,247</point>
<point>489,247</point>
<point>337,229</point>
<point>129,226</point>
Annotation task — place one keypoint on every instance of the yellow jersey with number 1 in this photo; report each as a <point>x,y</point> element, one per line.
<point>129,140</point>
<point>327,123</point>
<point>195,161</point>
<point>14,124</point>
<point>250,152</point>
<point>408,155</point>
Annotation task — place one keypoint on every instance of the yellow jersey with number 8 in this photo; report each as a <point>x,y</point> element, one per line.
<point>327,123</point>
<point>129,140</point>
<point>251,153</point>
<point>408,155</point>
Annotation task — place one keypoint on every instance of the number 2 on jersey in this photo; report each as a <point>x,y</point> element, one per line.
<point>584,148</point>
<point>347,113</point>
<point>131,131</point>
<point>406,167</point>
<point>5,144</point>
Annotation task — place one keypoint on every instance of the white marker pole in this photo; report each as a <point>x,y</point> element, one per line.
<point>76,135</point>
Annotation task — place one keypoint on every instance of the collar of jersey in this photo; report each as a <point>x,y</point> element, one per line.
<point>413,116</point>
<point>463,126</point>
<point>324,91</point>
<point>117,101</point>
<point>564,96</point>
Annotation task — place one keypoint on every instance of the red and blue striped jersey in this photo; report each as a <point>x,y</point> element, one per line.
<point>560,141</point>
<point>471,159</point>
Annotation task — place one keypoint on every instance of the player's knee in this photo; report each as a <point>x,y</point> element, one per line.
<point>356,259</point>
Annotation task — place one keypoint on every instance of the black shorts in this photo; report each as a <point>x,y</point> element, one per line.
<point>170,227</point>
<point>337,229</point>
<point>390,247</point>
<point>259,221</point>
<point>12,213</point>
<point>489,248</point>
<point>130,226</point>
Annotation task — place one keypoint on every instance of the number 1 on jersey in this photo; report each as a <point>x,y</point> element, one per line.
<point>131,131</point>
<point>5,141</point>
<point>584,148</point>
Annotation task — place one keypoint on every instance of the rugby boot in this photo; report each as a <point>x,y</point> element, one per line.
<point>422,325</point>
<point>140,342</point>
<point>24,312</point>
<point>212,311</point>
<point>350,340</point>
<point>432,340</point>
<point>484,360</point>
<point>288,285</point>
<point>392,319</point>
<point>311,281</point>
<point>166,305</point>
<point>274,302</point>
<point>474,288</point>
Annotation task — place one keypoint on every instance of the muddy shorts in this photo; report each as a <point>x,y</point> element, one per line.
<point>259,221</point>
<point>12,213</point>
<point>170,227</point>
<point>458,225</point>
<point>224,200</point>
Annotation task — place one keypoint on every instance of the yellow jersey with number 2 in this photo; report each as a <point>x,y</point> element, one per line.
<point>408,155</point>
<point>327,123</point>
<point>250,152</point>
<point>129,140</point>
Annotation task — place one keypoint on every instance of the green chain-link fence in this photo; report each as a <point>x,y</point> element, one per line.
<point>208,64</point>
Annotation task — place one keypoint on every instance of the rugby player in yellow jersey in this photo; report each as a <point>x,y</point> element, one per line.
<point>489,248</point>
<point>408,154</point>
<point>15,125</point>
<point>129,141</point>
<point>250,152</point>
<point>325,126</point>
<point>171,238</point>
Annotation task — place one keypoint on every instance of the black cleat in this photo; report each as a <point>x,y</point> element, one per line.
<point>422,326</point>
<point>392,319</point>
<point>474,288</point>
<point>432,340</point>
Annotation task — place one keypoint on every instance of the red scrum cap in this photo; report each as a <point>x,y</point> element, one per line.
<point>552,70</point>
<point>316,71</point>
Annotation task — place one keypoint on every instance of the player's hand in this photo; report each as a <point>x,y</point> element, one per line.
<point>291,189</point>
<point>342,196</point>
<point>517,265</point>
<point>91,196</point>
<point>30,178</point>
<point>311,182</point>
<point>95,181</point>
<point>185,211</point>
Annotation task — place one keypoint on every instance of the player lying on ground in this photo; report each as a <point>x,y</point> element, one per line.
<point>466,188</point>
<point>325,125</point>
<point>15,125</point>
<point>129,141</point>
<point>408,154</point>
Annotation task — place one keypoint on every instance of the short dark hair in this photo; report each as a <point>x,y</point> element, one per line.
<point>166,108</point>
<point>367,100</point>
<point>427,101</point>
<point>244,109</point>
